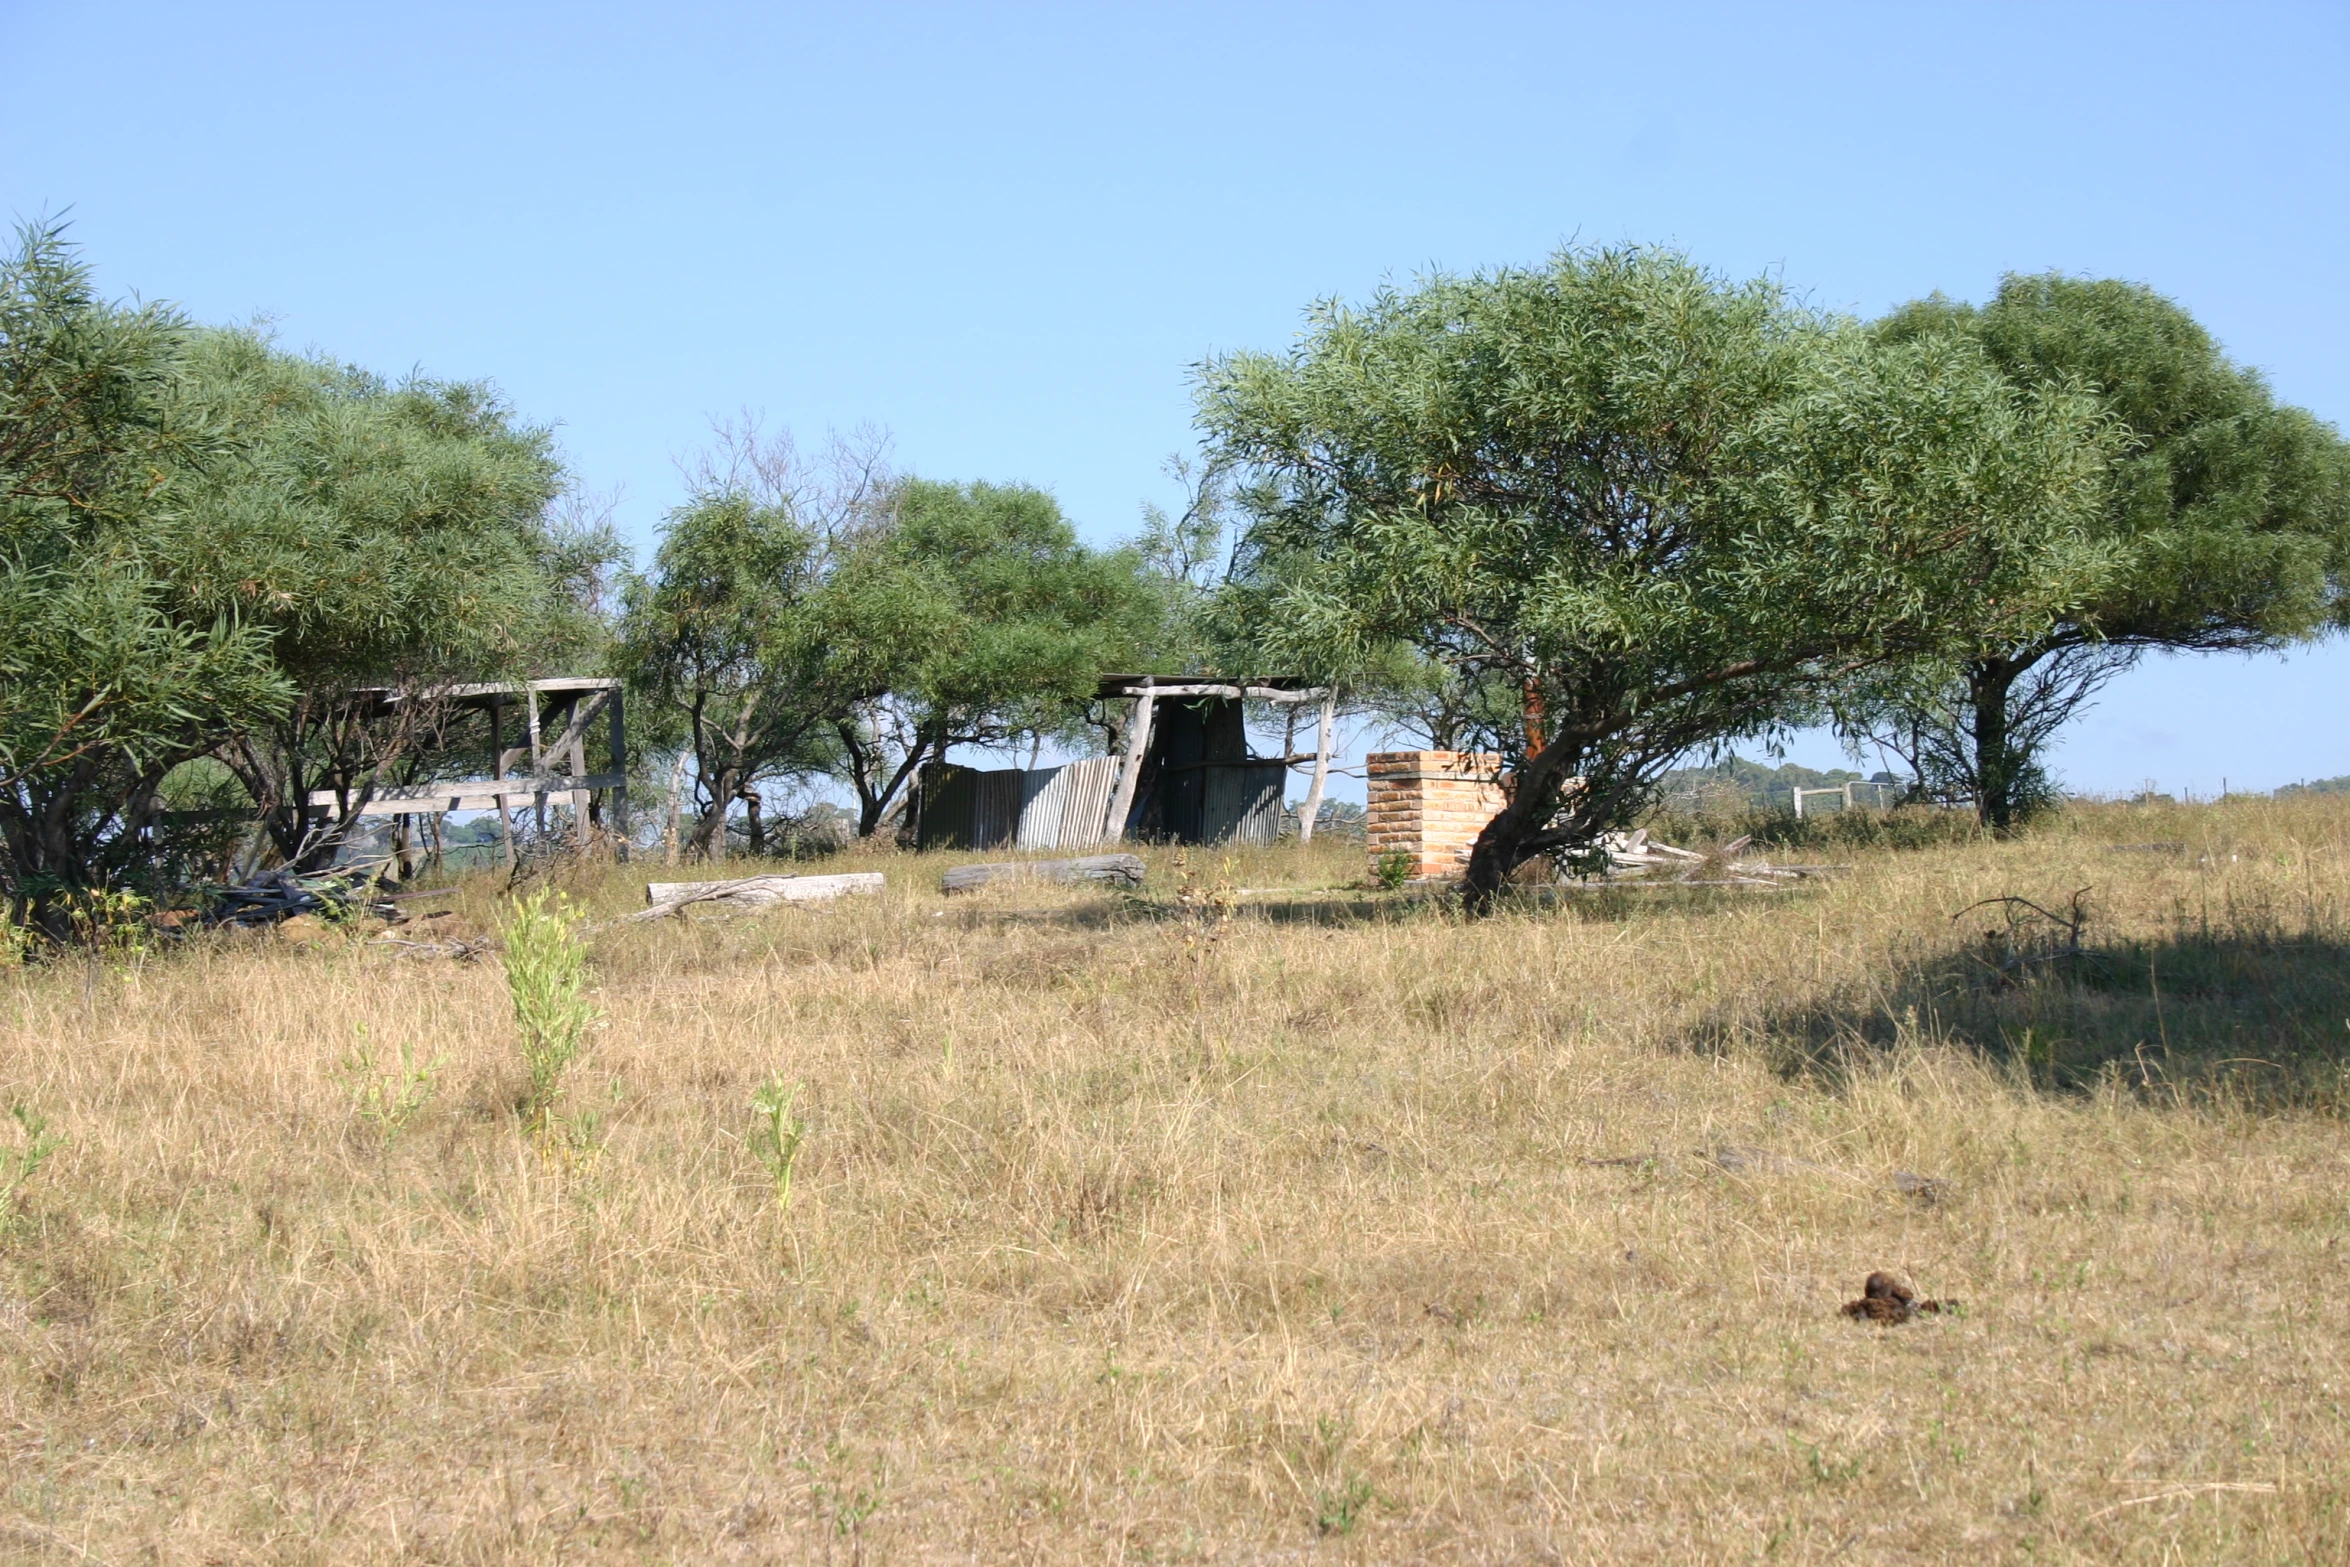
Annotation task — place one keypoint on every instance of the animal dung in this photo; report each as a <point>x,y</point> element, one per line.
<point>1887,1301</point>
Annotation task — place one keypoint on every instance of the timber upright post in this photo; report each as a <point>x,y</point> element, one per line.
<point>1313,805</point>
<point>619,790</point>
<point>498,770</point>
<point>1138,739</point>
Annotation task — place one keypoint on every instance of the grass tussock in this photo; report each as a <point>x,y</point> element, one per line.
<point>1216,1223</point>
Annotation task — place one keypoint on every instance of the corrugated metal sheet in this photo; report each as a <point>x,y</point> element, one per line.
<point>995,813</point>
<point>1066,806</point>
<point>1242,804</point>
<point>1048,808</point>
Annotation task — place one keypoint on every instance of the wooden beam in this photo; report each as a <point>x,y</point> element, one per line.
<point>1232,693</point>
<point>674,897</point>
<point>473,794</point>
<point>1125,870</point>
<point>619,766</point>
<point>1313,805</point>
<point>1138,740</point>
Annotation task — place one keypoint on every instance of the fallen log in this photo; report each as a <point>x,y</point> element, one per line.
<point>753,892</point>
<point>1124,870</point>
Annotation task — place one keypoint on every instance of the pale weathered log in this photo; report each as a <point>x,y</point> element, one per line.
<point>670,897</point>
<point>1124,870</point>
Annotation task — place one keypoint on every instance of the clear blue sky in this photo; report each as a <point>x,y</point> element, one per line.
<point>1004,232</point>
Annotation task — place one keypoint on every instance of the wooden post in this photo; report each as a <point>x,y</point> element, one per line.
<point>498,770</point>
<point>1138,739</point>
<point>538,760</point>
<point>620,766</point>
<point>576,762</point>
<point>1797,790</point>
<point>673,835</point>
<point>1313,805</point>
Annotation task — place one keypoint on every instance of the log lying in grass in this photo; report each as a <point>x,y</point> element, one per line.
<point>1123,870</point>
<point>753,892</point>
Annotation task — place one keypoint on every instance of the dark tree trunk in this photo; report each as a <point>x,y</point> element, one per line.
<point>875,795</point>
<point>1514,836</point>
<point>709,839</point>
<point>1997,769</point>
<point>756,823</point>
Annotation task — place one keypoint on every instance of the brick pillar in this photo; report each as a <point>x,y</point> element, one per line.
<point>1431,805</point>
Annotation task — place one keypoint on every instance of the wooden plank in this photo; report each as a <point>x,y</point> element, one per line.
<point>619,766</point>
<point>670,897</point>
<point>472,794</point>
<point>1231,693</point>
<point>490,688</point>
<point>1321,780</point>
<point>1138,742</point>
<point>1125,870</point>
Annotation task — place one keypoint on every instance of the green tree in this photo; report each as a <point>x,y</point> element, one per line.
<point>1021,620</point>
<point>1666,510</point>
<point>753,637</point>
<point>2226,517</point>
<point>213,548</point>
<point>106,684</point>
<point>382,536</point>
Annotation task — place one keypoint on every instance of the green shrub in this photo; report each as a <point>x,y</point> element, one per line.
<point>546,976</point>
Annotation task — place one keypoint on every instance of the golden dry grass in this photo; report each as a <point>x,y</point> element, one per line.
<point>1333,1230</point>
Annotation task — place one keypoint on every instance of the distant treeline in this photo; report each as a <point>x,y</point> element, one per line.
<point>1599,515</point>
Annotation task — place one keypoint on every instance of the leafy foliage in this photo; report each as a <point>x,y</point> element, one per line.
<point>1664,510</point>
<point>108,682</point>
<point>1026,620</point>
<point>211,547</point>
<point>546,980</point>
<point>794,625</point>
<point>2225,520</point>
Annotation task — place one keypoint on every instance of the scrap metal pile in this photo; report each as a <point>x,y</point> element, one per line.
<point>273,896</point>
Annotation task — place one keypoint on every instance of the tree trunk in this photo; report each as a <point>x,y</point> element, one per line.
<point>1508,840</point>
<point>757,824</point>
<point>709,840</point>
<point>1989,681</point>
<point>873,803</point>
<point>1313,806</point>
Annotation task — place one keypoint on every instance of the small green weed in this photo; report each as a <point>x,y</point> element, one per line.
<point>777,1137</point>
<point>1337,1512</point>
<point>22,1162</point>
<point>546,978</point>
<point>113,923</point>
<point>388,1100</point>
<point>1395,868</point>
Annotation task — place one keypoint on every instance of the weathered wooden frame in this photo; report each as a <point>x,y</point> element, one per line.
<point>579,700</point>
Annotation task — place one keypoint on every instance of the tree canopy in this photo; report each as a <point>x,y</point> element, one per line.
<point>210,543</point>
<point>795,631</point>
<point>2224,519</point>
<point>1665,509</point>
<point>1029,620</point>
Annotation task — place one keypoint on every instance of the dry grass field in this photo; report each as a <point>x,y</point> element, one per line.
<point>1296,1225</point>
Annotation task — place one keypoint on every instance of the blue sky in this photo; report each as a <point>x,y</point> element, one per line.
<point>1004,233</point>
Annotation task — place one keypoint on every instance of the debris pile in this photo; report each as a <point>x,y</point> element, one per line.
<point>1635,857</point>
<point>275,896</point>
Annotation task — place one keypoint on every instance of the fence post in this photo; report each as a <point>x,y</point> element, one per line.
<point>1138,738</point>
<point>1313,805</point>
